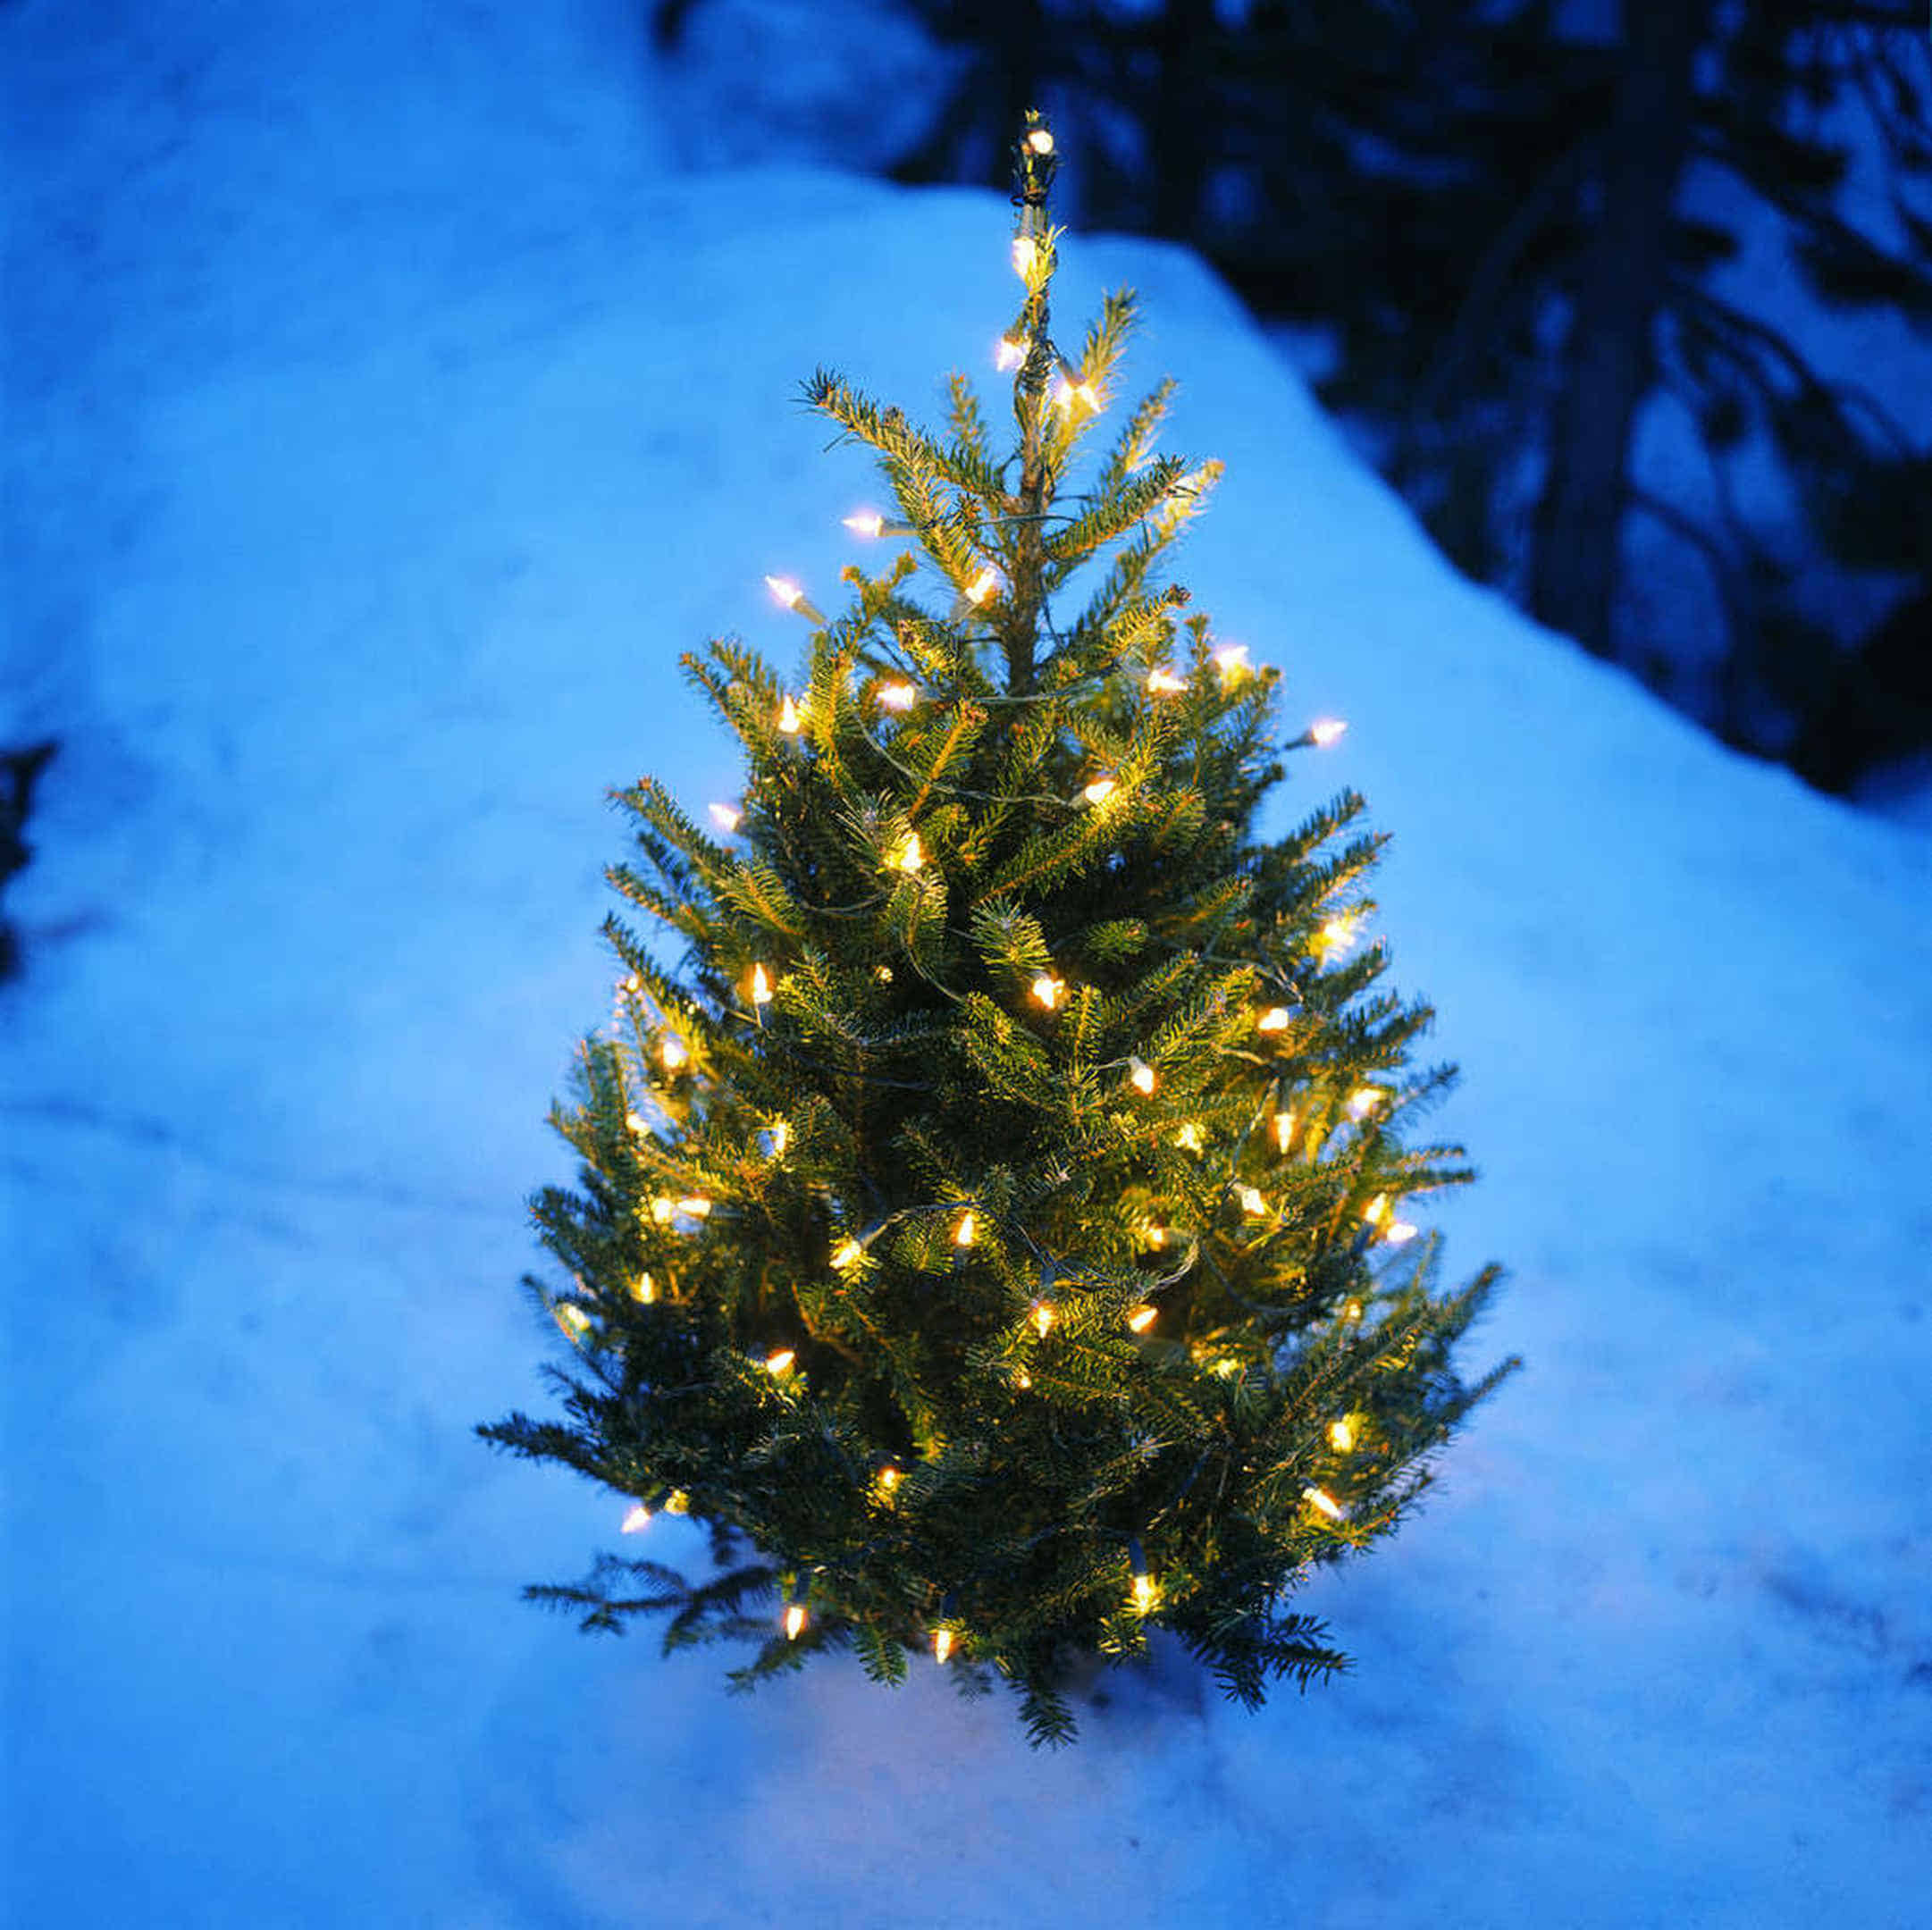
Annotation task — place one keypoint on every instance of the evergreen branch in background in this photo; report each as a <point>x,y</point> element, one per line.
<point>991,1230</point>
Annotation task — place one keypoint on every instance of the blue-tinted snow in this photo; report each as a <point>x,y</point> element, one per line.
<point>388,409</point>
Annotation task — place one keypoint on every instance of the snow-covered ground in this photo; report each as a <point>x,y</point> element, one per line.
<point>387,409</point>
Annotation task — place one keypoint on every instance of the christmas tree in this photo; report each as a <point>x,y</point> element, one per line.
<point>992,1228</point>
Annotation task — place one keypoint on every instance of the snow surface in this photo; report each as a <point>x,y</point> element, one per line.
<point>386,411</point>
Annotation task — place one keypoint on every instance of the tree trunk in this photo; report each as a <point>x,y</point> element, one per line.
<point>1610,350</point>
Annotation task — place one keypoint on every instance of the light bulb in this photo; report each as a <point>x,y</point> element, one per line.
<point>694,1206</point>
<point>1049,990</point>
<point>644,1290</point>
<point>1043,1318</point>
<point>633,983</point>
<point>1022,1380</point>
<point>1189,1138</point>
<point>1342,1435</point>
<point>1251,1200</point>
<point>968,1228</point>
<point>574,1320</point>
<point>897,696</point>
<point>1011,352</point>
<point>663,1211</point>
<point>780,1362</point>
<point>1100,790</point>
<point>1336,935</point>
<point>1163,683</point>
<point>1145,1593</point>
<point>1274,1020</point>
<point>1040,141</point>
<point>1231,659</point>
<point>1153,1237</point>
<point>791,718</point>
<point>983,585</point>
<point>1284,1130</point>
<point>1025,255</point>
<point>761,986</point>
<point>1227,1367</point>
<point>942,1644</point>
<point>1351,1310</point>
<point>636,1123</point>
<point>865,523</point>
<point>673,1052</point>
<point>1400,1232</point>
<point>889,1477</point>
<point>780,1137</point>
<point>1363,1100</point>
<point>786,590</point>
<point>848,1254</point>
<point>1140,1075</point>
<point>794,1621</point>
<point>1327,731</point>
<point>637,1520</point>
<point>1377,1210</point>
<point>1319,1498</point>
<point>677,1502</point>
<point>1142,1318</point>
<point>910,857</point>
<point>726,818</point>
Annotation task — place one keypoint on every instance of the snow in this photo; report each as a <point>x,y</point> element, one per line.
<point>388,407</point>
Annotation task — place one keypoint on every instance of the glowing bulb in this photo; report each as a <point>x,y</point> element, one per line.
<point>1400,1232</point>
<point>1336,935</point>
<point>1352,1310</point>
<point>1145,1593</point>
<point>1284,1130</point>
<point>1100,790</point>
<point>889,1477</point>
<point>791,718</point>
<point>1142,1318</point>
<point>1318,1498</point>
<point>897,696</point>
<point>780,1362</point>
<point>983,585</point>
<point>1025,256</point>
<point>794,1621</point>
<point>1227,1367</point>
<point>1153,1237</point>
<point>1163,683</point>
<point>1189,1138</point>
<point>787,591</point>
<point>633,983</point>
<point>663,1211</point>
<point>910,857</point>
<point>761,986</point>
<point>1140,1076</point>
<point>1043,1318</point>
<point>637,1520</point>
<point>1274,1020</point>
<point>942,1644</point>
<point>1048,990</point>
<point>1040,141</point>
<point>1070,392</point>
<point>574,1320</point>
<point>694,1206</point>
<point>1231,659</point>
<point>637,1123</point>
<point>883,973</point>
<point>849,1254</point>
<point>1022,1381</point>
<point>965,1233</point>
<point>673,1052</point>
<point>1363,1100</point>
<point>780,1137</point>
<point>644,1290</point>
<point>1377,1210</point>
<point>726,818</point>
<point>866,523</point>
<point>1340,1435</point>
<point>1327,731</point>
<point>677,1502</point>
<point>1251,1200</point>
<point>1012,351</point>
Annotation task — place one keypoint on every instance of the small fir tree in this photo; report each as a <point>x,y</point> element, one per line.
<point>991,1230</point>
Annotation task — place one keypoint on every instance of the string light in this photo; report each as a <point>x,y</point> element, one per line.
<point>1022,1380</point>
<point>663,1211</point>
<point>889,1478</point>
<point>1048,990</point>
<point>1336,935</point>
<point>677,1502</point>
<point>1071,391</point>
<point>1377,1210</point>
<point>633,983</point>
<point>574,1320</point>
<point>726,818</point>
<point>1251,1200</point>
<point>1351,1310</point>
<point>1284,1130</point>
<point>1040,141</point>
<point>1100,790</point>
<point>910,856</point>
<point>983,585</point>
<point>1142,1318</point>
<point>778,1137</point>
<point>791,718</point>
<point>644,1290</point>
<point>1342,1435</point>
<point>1363,1100</point>
<point>1400,1232</point>
<point>673,1052</point>
<point>694,1206</point>
<point>1189,1138</point>
<point>761,986</point>
<point>942,1643</point>
<point>865,523</point>
<point>1140,1076</point>
<point>1231,659</point>
<point>1163,683</point>
<point>1025,256</point>
<point>637,1123</point>
<point>794,1621</point>
<point>1042,1317</point>
<point>1319,1498</point>
<point>1274,1020</point>
<point>1144,1592</point>
<point>780,1364</point>
<point>1011,352</point>
<point>1153,1237</point>
<point>1227,1367</point>
<point>1327,731</point>
<point>966,1230</point>
<point>793,598</point>
<point>897,696</point>
<point>636,1521</point>
<point>849,1254</point>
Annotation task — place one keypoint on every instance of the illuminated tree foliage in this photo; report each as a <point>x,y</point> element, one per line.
<point>993,1228</point>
